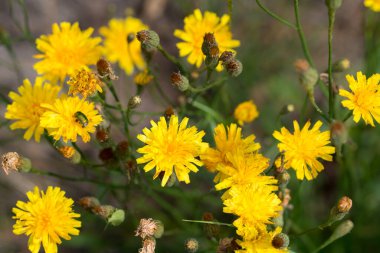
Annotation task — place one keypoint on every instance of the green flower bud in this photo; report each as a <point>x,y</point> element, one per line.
<point>117,217</point>
<point>234,67</point>
<point>179,81</point>
<point>149,40</point>
<point>333,4</point>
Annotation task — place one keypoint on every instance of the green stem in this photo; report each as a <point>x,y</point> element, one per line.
<point>162,93</point>
<point>210,86</point>
<point>208,110</point>
<point>331,12</point>
<point>301,34</point>
<point>275,16</point>
<point>210,222</point>
<point>172,59</point>
<point>348,115</point>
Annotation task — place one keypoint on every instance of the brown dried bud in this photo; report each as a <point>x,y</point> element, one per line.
<point>211,230</point>
<point>301,65</point>
<point>107,155</point>
<point>208,43</point>
<point>339,132</point>
<point>226,57</point>
<point>130,37</point>
<point>191,245</point>
<point>234,67</point>
<point>105,70</point>
<point>89,202</point>
<point>122,149</point>
<point>102,134</point>
<point>13,161</point>
<point>280,241</point>
<point>104,211</point>
<point>149,40</point>
<point>169,112</point>
<point>344,204</point>
<point>227,245</point>
<point>179,81</point>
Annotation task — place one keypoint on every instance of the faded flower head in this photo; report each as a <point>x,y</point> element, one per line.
<point>146,228</point>
<point>11,161</point>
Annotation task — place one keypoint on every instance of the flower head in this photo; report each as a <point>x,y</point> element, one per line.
<point>172,146</point>
<point>226,141</point>
<point>255,204</point>
<point>246,112</point>
<point>364,99</point>
<point>120,44</point>
<point>46,218</point>
<point>372,4</point>
<point>303,148</point>
<point>71,116</point>
<point>84,82</point>
<point>196,26</point>
<point>64,51</point>
<point>143,78</point>
<point>26,107</point>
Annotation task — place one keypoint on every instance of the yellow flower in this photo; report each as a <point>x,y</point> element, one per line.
<point>68,117</point>
<point>255,204</point>
<point>364,99</point>
<point>143,78</point>
<point>303,148</point>
<point>246,112</point>
<point>66,50</point>
<point>26,106</point>
<point>372,4</point>
<point>85,83</point>
<point>46,218</point>
<point>262,244</point>
<point>196,26</point>
<point>244,170</point>
<point>120,44</point>
<point>227,141</point>
<point>171,147</point>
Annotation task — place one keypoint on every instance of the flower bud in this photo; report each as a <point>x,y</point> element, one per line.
<point>150,228</point>
<point>105,70</point>
<point>104,211</point>
<point>211,230</point>
<point>13,161</point>
<point>122,149</point>
<point>333,4</point>
<point>89,202</point>
<point>107,155</point>
<point>301,65</point>
<point>169,112</point>
<point>134,102</point>
<point>287,109</point>
<point>102,134</point>
<point>226,57</point>
<point>191,245</point>
<point>343,229</point>
<point>344,204</point>
<point>149,40</point>
<point>143,78</point>
<point>130,37</point>
<point>227,245</point>
<point>116,218</point>
<point>179,81</point>
<point>234,67</point>
<point>309,78</point>
<point>280,241</point>
<point>339,211</point>
<point>339,132</point>
<point>341,65</point>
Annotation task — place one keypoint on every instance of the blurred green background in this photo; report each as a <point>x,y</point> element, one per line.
<point>268,50</point>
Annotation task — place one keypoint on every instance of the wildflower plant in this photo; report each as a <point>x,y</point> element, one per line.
<point>160,148</point>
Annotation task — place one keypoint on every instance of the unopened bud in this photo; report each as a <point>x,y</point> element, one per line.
<point>89,202</point>
<point>105,70</point>
<point>116,218</point>
<point>134,102</point>
<point>333,4</point>
<point>343,229</point>
<point>208,42</point>
<point>104,211</point>
<point>13,161</point>
<point>309,78</point>
<point>301,65</point>
<point>227,245</point>
<point>226,57</point>
<point>122,150</point>
<point>212,230</point>
<point>191,245</point>
<point>169,112</point>
<point>341,65</point>
<point>287,109</point>
<point>107,155</point>
<point>234,67</point>
<point>149,40</point>
<point>339,132</point>
<point>102,134</point>
<point>179,81</point>
<point>280,241</point>
<point>344,204</point>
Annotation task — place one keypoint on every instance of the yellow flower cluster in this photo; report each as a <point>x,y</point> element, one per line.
<point>372,4</point>
<point>250,194</point>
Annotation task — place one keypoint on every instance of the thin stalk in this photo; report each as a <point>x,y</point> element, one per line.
<point>210,86</point>
<point>172,59</point>
<point>330,35</point>
<point>275,16</point>
<point>348,115</point>
<point>301,34</point>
